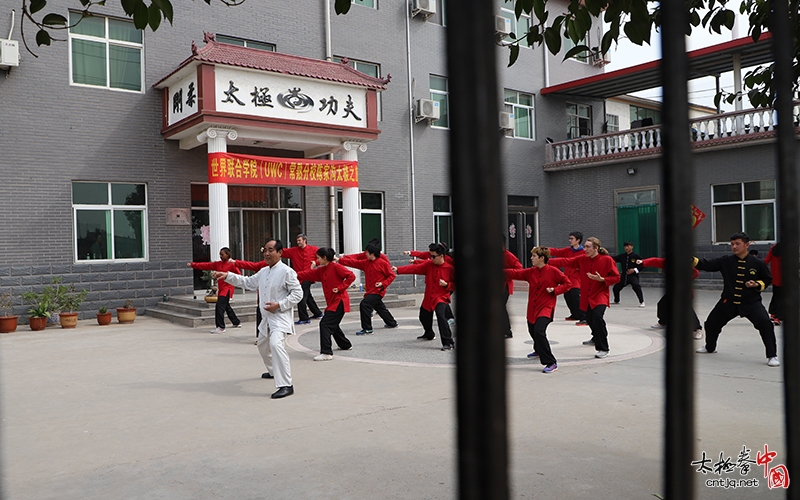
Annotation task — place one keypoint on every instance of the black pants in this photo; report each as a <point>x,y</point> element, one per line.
<point>371,302</point>
<point>302,312</point>
<point>223,307</point>
<point>506,326</point>
<point>662,311</point>
<point>594,316</point>
<point>541,345</point>
<point>633,281</point>
<point>775,304</point>
<point>573,299</point>
<point>725,311</point>
<point>259,317</point>
<point>426,318</point>
<point>329,327</point>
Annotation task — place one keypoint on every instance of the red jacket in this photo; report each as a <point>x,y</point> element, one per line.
<point>378,270</point>
<point>774,267</point>
<point>510,261</point>
<point>331,276</point>
<point>540,302</point>
<point>363,256</point>
<point>251,266</point>
<point>302,258</point>
<point>434,292</point>
<point>223,287</point>
<point>573,274</point>
<point>593,293</point>
<point>427,255</point>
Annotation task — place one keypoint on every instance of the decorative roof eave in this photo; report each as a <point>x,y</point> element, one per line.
<point>214,52</point>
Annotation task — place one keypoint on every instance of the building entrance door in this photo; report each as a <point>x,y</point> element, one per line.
<point>637,221</point>
<point>523,231</point>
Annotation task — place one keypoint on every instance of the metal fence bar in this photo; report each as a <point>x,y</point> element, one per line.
<point>678,182</point>
<point>476,183</point>
<point>788,221</point>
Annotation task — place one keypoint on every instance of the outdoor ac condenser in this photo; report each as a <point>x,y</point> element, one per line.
<point>425,7</point>
<point>506,120</point>
<point>427,109</point>
<point>9,53</point>
<point>502,25</point>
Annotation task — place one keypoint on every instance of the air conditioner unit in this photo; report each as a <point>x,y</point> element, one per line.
<point>9,53</point>
<point>502,25</point>
<point>425,7</point>
<point>598,59</point>
<point>506,120</point>
<point>427,109</point>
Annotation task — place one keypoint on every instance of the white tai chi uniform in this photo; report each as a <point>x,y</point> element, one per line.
<point>275,284</point>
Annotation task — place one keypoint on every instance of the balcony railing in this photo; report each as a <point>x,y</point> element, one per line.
<point>707,131</point>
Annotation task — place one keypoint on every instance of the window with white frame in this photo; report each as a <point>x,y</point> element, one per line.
<point>612,123</point>
<point>579,120</point>
<point>372,4</point>
<point>443,220</point>
<point>440,94</point>
<point>368,68</point>
<point>519,27</point>
<point>521,105</point>
<point>105,52</point>
<point>568,44</point>
<point>110,220</point>
<point>744,206</point>
<point>242,42</point>
<point>372,223</point>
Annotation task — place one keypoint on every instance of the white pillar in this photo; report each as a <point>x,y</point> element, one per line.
<point>218,193</point>
<point>351,221</point>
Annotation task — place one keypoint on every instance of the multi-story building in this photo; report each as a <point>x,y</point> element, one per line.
<point>114,143</point>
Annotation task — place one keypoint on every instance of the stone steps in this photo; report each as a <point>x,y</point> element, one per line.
<point>188,311</point>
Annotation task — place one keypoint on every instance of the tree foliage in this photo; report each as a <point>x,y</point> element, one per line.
<point>638,19</point>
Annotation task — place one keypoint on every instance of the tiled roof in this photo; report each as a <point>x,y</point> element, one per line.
<point>233,55</point>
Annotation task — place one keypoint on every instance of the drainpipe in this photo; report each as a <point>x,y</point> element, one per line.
<point>546,66</point>
<point>410,84</point>
<point>331,190</point>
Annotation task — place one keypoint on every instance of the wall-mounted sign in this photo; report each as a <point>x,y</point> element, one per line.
<point>182,99</point>
<point>179,217</point>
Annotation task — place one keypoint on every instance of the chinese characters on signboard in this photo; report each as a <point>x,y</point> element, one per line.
<point>246,169</point>
<point>182,99</point>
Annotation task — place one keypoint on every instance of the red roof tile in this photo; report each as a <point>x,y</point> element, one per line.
<point>233,55</point>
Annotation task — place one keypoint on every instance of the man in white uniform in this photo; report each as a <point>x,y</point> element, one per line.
<point>279,292</point>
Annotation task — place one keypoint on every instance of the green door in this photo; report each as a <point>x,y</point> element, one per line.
<point>637,221</point>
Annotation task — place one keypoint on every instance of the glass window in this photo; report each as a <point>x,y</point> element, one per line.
<point>109,231</point>
<point>372,4</point>
<point>442,220</point>
<point>519,27</point>
<point>371,69</point>
<point>439,94</point>
<point>612,123</point>
<point>292,197</point>
<point>640,113</point>
<point>105,52</point>
<point>253,196</point>
<point>753,213</point>
<point>568,44</point>
<point>521,105</point>
<point>241,42</point>
<point>579,120</point>
<point>372,222</point>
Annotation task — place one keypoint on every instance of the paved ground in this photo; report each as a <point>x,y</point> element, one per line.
<point>158,411</point>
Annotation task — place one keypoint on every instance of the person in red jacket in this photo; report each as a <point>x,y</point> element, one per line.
<point>335,279</point>
<point>598,271</point>
<point>774,260</point>
<point>573,296</point>
<point>448,257</point>
<point>439,283</point>
<point>545,283</point>
<point>302,257</point>
<point>510,261</point>
<point>225,291</point>
<point>663,304</point>
<point>377,276</point>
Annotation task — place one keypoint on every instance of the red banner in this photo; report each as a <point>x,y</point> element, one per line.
<point>697,216</point>
<point>232,168</point>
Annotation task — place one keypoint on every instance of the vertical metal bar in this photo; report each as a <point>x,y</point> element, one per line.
<point>678,181</point>
<point>781,27</point>
<point>476,182</point>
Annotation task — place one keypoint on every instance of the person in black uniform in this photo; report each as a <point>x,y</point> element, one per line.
<point>629,273</point>
<point>744,278</point>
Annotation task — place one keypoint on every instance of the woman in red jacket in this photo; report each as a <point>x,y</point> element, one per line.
<point>225,292</point>
<point>774,260</point>
<point>545,283</point>
<point>335,279</point>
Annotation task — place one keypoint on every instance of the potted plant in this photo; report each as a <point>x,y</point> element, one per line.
<point>41,304</point>
<point>103,316</point>
<point>211,292</point>
<point>8,323</point>
<point>68,302</point>
<point>126,313</point>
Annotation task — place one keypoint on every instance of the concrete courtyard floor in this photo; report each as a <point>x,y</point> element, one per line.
<point>154,410</point>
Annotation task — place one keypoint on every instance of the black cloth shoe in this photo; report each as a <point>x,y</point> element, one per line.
<point>448,347</point>
<point>282,392</point>
<point>423,337</point>
<point>266,375</point>
<point>509,335</point>
<point>390,326</point>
